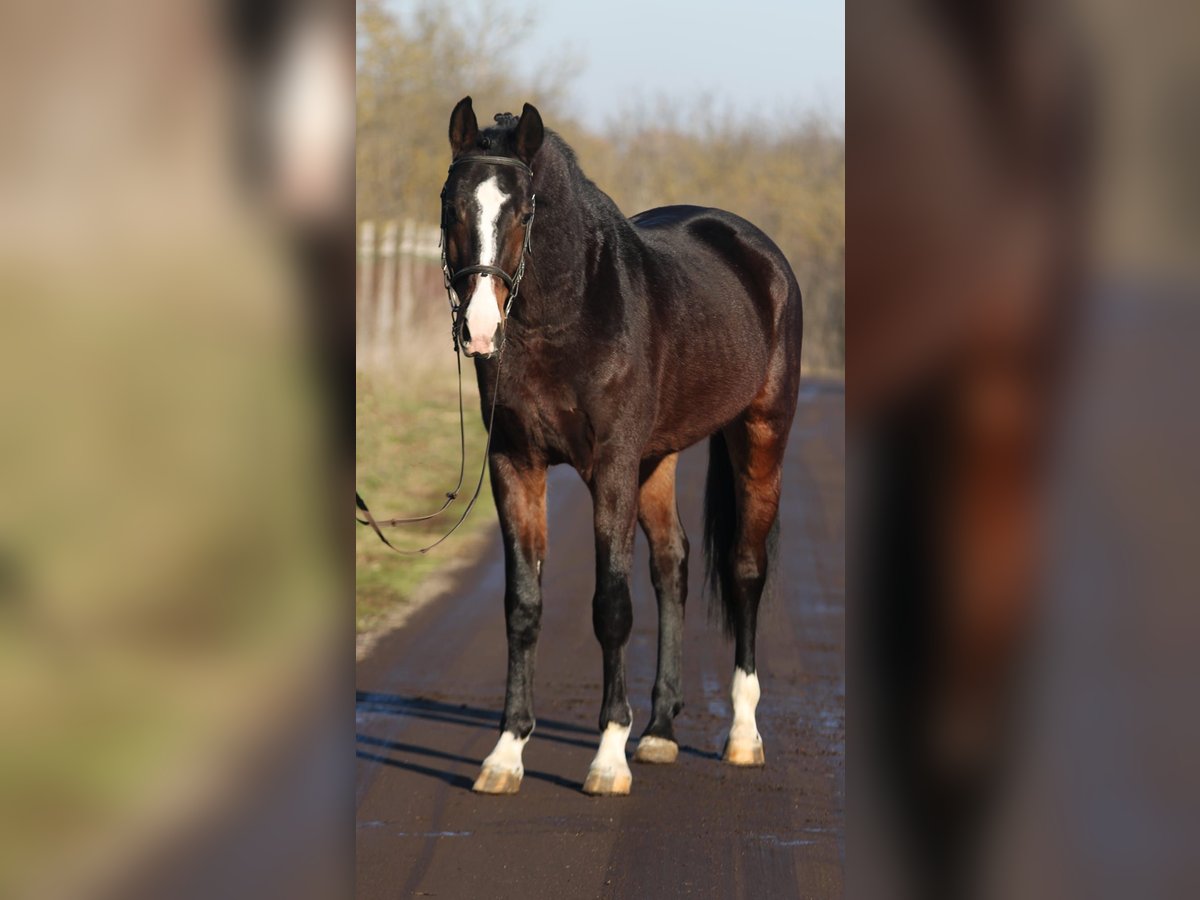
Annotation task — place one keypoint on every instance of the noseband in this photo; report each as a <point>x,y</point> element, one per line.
<point>513,282</point>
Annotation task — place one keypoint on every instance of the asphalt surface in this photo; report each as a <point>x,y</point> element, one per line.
<point>430,694</point>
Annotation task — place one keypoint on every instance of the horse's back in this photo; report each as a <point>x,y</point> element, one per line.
<point>723,257</point>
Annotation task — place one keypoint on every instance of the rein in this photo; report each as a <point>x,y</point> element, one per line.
<point>513,283</point>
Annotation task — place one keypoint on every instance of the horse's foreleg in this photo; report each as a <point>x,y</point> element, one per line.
<point>614,495</point>
<point>659,518</point>
<point>520,493</point>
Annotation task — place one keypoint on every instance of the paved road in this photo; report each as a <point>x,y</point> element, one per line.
<point>428,706</point>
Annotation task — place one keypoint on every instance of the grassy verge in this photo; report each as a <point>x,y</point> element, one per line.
<point>407,440</point>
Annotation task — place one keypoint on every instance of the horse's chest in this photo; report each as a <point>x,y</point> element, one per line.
<point>570,438</point>
<point>551,429</point>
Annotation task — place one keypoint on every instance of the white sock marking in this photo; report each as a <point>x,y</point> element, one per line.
<point>745,694</point>
<point>611,755</point>
<point>483,309</point>
<point>507,755</point>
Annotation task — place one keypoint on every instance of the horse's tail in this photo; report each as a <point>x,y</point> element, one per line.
<point>720,533</point>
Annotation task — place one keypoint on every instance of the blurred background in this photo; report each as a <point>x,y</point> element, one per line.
<point>1023,439</point>
<point>174,613</point>
<point>741,109</point>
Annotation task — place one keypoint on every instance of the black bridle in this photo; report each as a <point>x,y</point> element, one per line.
<point>513,282</point>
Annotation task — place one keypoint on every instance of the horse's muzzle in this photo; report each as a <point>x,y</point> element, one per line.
<point>482,346</point>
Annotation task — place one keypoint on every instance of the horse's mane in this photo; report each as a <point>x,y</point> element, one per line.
<point>499,138</point>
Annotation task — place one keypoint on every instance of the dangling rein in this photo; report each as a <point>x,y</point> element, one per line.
<point>377,526</point>
<point>514,284</point>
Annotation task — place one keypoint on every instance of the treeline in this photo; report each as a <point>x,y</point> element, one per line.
<point>785,174</point>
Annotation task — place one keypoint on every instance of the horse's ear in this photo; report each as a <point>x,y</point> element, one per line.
<point>464,129</point>
<point>529,133</point>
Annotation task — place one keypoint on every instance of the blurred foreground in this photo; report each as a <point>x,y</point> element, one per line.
<point>1023,446</point>
<point>174,622</point>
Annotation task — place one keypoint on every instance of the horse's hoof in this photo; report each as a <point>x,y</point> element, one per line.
<point>744,753</point>
<point>608,782</point>
<point>498,781</point>
<point>651,749</point>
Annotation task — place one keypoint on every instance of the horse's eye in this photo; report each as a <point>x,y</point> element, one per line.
<point>449,216</point>
<point>527,218</point>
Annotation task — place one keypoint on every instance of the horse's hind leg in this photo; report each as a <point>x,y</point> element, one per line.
<point>755,444</point>
<point>659,518</point>
<point>520,492</point>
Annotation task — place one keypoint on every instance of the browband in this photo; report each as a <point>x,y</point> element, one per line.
<point>494,160</point>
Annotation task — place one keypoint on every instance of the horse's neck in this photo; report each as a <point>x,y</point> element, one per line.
<point>568,228</point>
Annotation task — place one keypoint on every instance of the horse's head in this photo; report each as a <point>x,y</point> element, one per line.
<point>487,209</point>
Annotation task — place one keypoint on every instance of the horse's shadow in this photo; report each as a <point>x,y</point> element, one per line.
<point>452,714</point>
<point>468,717</point>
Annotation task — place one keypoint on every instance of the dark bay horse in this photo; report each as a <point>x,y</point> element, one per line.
<point>621,342</point>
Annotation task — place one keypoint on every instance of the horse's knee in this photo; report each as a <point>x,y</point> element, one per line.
<point>612,611</point>
<point>612,625</point>
<point>524,618</point>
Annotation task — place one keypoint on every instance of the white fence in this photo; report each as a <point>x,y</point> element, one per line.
<point>400,292</point>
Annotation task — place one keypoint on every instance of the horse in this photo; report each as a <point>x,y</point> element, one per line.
<point>622,341</point>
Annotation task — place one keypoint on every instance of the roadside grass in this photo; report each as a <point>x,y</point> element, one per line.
<point>407,457</point>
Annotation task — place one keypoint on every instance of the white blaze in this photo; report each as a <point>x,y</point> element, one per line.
<point>483,309</point>
<point>745,694</point>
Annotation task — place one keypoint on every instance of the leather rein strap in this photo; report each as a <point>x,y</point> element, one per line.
<point>513,283</point>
